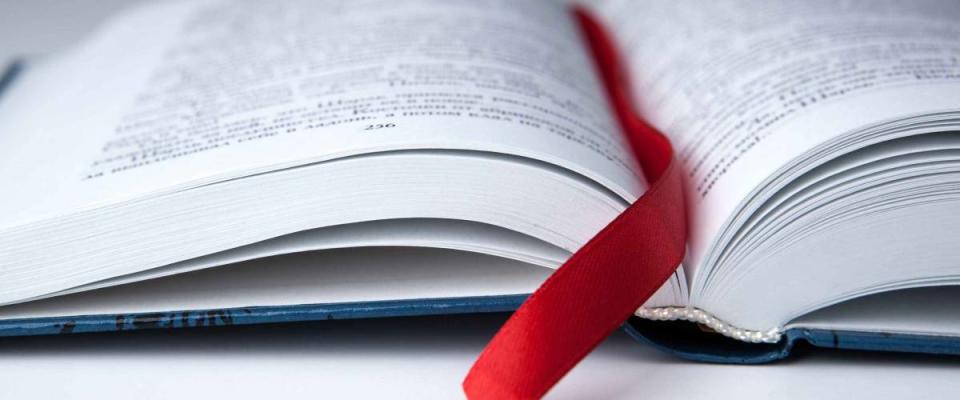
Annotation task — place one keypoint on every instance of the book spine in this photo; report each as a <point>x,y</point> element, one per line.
<point>696,315</point>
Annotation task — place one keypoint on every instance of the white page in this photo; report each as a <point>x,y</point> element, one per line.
<point>335,276</point>
<point>892,312</point>
<point>743,88</point>
<point>188,93</point>
<point>415,233</point>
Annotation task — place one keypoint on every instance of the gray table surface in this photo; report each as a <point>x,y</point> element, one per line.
<point>407,358</point>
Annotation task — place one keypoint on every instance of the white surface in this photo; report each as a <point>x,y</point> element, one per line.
<point>405,358</point>
<point>419,359</point>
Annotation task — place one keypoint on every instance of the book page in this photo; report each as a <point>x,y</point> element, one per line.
<point>332,276</point>
<point>190,93</point>
<point>744,88</point>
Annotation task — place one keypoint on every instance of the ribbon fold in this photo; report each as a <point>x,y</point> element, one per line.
<point>605,281</point>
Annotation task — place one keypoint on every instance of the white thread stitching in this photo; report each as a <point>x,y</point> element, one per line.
<point>699,316</point>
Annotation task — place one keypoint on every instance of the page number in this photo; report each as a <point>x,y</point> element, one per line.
<point>373,127</point>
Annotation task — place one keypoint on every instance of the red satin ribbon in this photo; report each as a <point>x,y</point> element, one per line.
<point>604,282</point>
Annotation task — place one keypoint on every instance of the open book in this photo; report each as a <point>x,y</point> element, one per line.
<point>197,163</point>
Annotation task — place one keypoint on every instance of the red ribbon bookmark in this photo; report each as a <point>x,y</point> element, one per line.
<point>604,282</point>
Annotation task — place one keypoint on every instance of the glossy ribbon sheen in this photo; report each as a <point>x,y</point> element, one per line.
<point>604,282</point>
